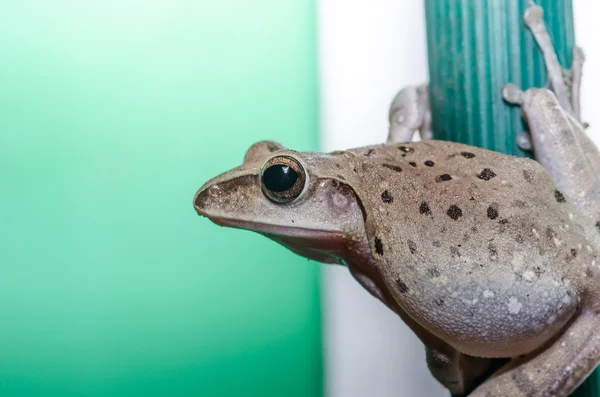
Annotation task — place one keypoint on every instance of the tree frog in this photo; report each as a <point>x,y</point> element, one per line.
<point>492,260</point>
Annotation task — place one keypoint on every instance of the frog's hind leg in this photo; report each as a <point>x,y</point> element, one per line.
<point>561,146</point>
<point>554,371</point>
<point>534,19</point>
<point>409,113</point>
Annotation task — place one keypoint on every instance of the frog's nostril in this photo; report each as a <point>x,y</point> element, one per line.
<point>205,196</point>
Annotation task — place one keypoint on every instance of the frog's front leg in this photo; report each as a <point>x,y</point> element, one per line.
<point>458,372</point>
<point>409,113</point>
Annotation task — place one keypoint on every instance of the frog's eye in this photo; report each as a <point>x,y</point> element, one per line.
<point>283,179</point>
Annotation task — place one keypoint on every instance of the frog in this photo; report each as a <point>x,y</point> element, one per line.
<point>490,259</point>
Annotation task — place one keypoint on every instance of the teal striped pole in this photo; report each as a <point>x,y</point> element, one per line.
<point>474,48</point>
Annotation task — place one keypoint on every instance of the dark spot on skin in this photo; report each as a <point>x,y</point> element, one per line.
<point>369,152</point>
<point>401,286</point>
<point>573,252</point>
<point>493,251</point>
<point>424,208</point>
<point>365,167</point>
<point>355,170</point>
<point>474,229</point>
<point>550,233</point>
<point>472,199</point>
<point>519,203</point>
<point>486,174</point>
<point>589,272</point>
<point>386,197</point>
<point>413,164</point>
<point>528,176</point>
<point>439,302</point>
<point>412,247</point>
<point>560,198</point>
<point>429,163</point>
<point>538,271</point>
<point>436,243</point>
<point>598,225</point>
<point>454,212</point>
<point>454,252</point>
<point>503,221</point>
<point>393,167</point>
<point>338,166</point>
<point>378,246</point>
<point>492,213</point>
<point>443,178</point>
<point>467,155</point>
<point>433,272</point>
<point>406,149</point>
<point>519,238</point>
<point>518,276</point>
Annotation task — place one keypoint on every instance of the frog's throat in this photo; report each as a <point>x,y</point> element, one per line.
<point>324,246</point>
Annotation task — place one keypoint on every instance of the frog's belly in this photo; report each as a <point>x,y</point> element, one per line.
<point>488,315</point>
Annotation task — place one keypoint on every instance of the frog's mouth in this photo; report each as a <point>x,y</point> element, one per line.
<point>320,245</point>
<point>272,230</point>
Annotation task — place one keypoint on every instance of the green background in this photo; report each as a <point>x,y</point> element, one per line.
<point>112,115</point>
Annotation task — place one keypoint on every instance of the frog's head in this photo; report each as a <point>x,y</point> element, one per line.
<point>302,200</point>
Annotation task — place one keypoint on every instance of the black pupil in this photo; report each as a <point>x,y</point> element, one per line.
<point>279,178</point>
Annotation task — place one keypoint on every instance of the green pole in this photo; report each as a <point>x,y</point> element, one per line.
<point>474,48</point>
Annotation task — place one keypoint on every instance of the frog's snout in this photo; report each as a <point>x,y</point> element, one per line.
<point>200,201</point>
<point>205,197</point>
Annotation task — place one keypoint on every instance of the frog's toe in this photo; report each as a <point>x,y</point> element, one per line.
<point>524,141</point>
<point>534,16</point>
<point>512,94</point>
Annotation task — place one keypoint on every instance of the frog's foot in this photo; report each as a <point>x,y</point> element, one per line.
<point>409,113</point>
<point>566,84</point>
<point>512,94</point>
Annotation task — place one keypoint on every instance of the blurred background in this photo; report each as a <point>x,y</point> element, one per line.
<point>112,115</point>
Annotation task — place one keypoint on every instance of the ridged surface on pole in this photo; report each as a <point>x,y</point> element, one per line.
<point>474,48</point>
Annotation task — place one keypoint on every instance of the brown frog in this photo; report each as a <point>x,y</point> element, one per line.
<point>490,259</point>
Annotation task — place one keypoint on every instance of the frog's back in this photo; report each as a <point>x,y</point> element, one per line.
<point>479,244</point>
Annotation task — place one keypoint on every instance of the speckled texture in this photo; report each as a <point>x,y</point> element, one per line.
<point>480,253</point>
<point>480,248</point>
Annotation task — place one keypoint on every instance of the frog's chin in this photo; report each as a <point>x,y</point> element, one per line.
<point>324,246</point>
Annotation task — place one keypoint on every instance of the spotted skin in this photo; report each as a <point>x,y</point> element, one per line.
<point>482,269</point>
<point>491,260</point>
